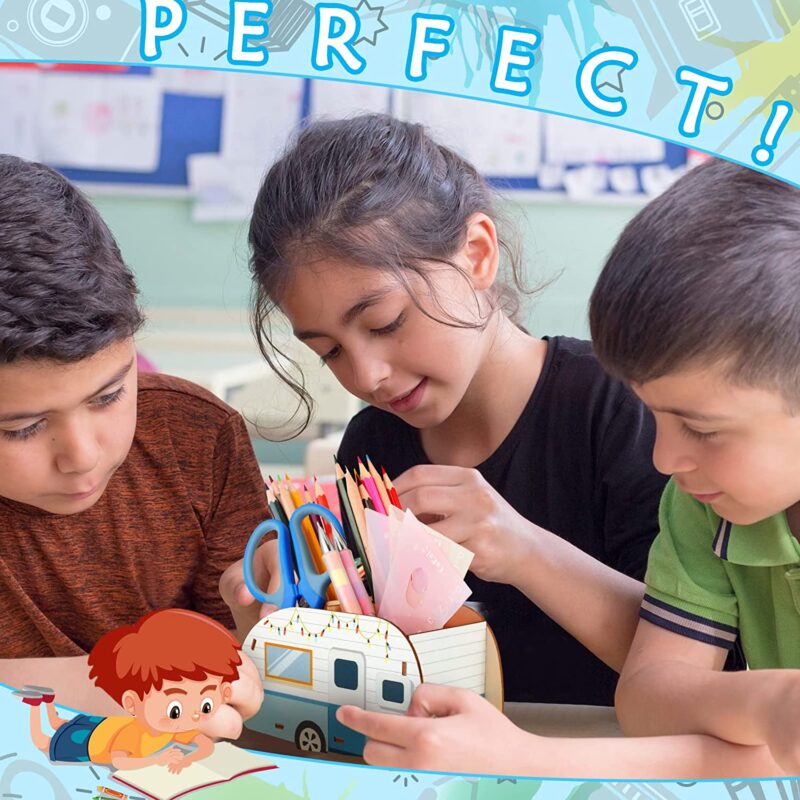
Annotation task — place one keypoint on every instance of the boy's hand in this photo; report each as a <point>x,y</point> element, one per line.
<point>246,610</point>
<point>460,504</point>
<point>170,756</point>
<point>444,730</point>
<point>247,694</point>
<point>178,765</point>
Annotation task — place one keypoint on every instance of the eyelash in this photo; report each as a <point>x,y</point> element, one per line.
<point>386,330</point>
<point>697,435</point>
<point>99,402</point>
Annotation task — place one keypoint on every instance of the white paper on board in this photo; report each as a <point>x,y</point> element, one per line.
<point>100,122</point>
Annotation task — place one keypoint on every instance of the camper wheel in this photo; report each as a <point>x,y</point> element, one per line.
<point>309,738</point>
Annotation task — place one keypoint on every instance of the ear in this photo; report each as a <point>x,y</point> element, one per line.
<point>129,700</point>
<point>481,251</point>
<point>227,692</point>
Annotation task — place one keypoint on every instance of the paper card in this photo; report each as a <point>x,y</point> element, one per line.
<point>379,550</point>
<point>459,557</point>
<point>423,590</point>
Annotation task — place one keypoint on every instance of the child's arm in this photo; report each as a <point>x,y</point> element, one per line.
<point>673,684</point>
<point>455,730</point>
<point>594,603</point>
<point>67,675</point>
<point>204,748</point>
<point>121,759</point>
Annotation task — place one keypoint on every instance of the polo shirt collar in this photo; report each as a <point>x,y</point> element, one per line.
<point>768,543</point>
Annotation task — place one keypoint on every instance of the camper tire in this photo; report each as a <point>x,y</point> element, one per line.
<point>309,738</point>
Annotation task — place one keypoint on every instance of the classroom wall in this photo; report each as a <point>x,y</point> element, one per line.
<point>182,264</point>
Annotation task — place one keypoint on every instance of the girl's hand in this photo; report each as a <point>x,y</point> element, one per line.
<point>245,609</point>
<point>460,504</point>
<point>446,730</point>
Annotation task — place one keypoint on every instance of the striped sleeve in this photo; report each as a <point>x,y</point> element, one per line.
<point>688,590</point>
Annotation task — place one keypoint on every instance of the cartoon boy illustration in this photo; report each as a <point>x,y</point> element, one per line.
<point>167,671</point>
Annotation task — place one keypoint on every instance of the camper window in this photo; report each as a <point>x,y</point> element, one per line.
<point>291,664</point>
<point>393,692</point>
<point>345,673</point>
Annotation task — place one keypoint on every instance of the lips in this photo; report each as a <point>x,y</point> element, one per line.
<point>82,495</point>
<point>410,400</point>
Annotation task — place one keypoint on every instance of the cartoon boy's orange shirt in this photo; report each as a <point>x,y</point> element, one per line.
<point>128,735</point>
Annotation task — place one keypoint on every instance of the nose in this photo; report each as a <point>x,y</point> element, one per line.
<point>196,716</point>
<point>77,448</point>
<point>672,453</point>
<point>369,371</point>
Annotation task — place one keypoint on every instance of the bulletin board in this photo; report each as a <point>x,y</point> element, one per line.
<point>211,134</point>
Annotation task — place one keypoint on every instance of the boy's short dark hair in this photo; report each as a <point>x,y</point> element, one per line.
<point>65,292</point>
<point>708,273</point>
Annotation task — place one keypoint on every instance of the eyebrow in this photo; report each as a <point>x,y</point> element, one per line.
<point>16,416</point>
<point>175,691</point>
<point>358,308</point>
<point>210,687</point>
<point>693,415</point>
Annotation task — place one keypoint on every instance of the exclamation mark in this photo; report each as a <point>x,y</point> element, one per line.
<point>765,152</point>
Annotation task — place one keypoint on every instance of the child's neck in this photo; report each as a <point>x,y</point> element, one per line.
<point>494,401</point>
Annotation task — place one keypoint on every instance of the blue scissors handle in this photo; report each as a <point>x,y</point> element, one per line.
<point>310,585</point>
<point>286,594</point>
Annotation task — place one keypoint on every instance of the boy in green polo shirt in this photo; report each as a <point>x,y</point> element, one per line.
<point>698,307</point>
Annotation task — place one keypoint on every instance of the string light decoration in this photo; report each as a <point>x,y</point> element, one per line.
<point>334,621</point>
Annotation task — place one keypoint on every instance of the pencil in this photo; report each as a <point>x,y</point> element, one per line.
<point>369,485</point>
<point>111,792</point>
<point>384,495</point>
<point>339,578</point>
<point>357,506</point>
<point>365,498</point>
<point>393,496</point>
<point>349,512</point>
<point>291,500</point>
<point>276,509</point>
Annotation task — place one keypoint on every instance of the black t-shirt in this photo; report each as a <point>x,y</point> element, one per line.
<point>578,463</point>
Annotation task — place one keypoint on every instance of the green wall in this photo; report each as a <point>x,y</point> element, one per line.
<point>182,264</point>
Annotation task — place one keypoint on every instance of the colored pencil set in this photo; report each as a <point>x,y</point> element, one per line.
<point>365,488</point>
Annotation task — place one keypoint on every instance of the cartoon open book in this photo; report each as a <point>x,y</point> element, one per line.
<point>226,763</point>
<point>313,660</point>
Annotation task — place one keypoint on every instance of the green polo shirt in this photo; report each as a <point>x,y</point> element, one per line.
<point>712,581</point>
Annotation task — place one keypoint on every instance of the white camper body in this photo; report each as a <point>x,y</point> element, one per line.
<point>312,661</point>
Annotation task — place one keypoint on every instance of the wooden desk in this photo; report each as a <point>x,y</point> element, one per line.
<point>564,720</point>
<point>540,718</point>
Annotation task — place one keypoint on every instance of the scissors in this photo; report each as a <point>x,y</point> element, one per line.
<point>299,578</point>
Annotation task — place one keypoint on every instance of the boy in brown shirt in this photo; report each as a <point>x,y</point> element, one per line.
<point>105,514</point>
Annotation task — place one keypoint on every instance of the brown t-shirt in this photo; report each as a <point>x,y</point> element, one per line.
<point>175,514</point>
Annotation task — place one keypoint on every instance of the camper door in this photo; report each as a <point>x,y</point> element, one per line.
<point>347,679</point>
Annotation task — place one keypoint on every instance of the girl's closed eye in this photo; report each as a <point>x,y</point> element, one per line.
<point>107,399</point>
<point>396,324</point>
<point>331,354</point>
